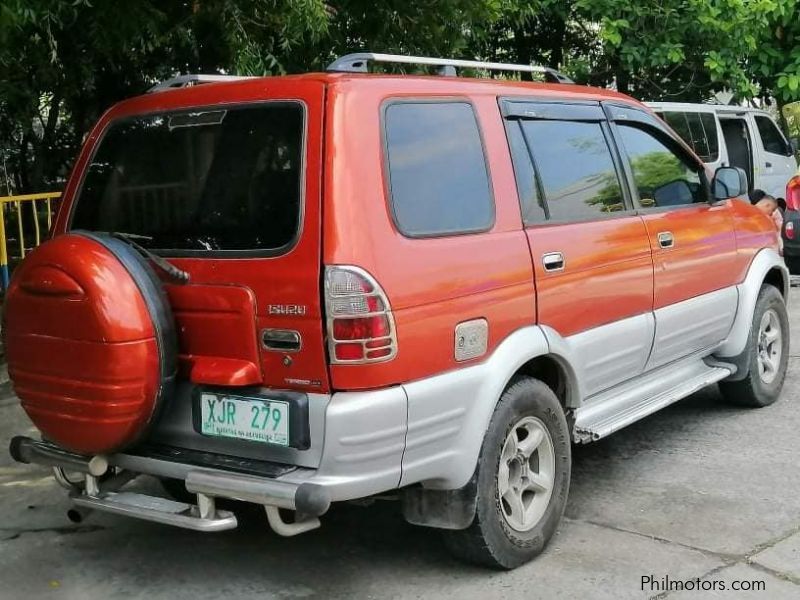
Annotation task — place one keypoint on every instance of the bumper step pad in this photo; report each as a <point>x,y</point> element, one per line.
<point>157,510</point>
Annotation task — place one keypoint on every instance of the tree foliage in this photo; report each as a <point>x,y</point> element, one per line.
<point>62,62</point>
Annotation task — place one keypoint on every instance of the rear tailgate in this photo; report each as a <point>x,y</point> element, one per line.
<point>224,180</point>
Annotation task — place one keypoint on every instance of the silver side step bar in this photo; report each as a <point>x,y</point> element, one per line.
<point>614,409</point>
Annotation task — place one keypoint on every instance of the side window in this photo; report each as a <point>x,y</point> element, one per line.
<point>438,177</point>
<point>698,130</point>
<point>770,136</point>
<point>530,202</point>
<point>662,176</point>
<point>576,170</point>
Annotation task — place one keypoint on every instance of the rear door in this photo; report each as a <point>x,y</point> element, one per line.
<point>224,181</point>
<point>693,240</point>
<point>774,159</point>
<point>591,256</point>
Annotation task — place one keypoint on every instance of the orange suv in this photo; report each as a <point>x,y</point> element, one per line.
<point>300,290</point>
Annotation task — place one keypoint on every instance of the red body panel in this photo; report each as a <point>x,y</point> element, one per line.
<point>217,338</point>
<point>754,231</point>
<point>81,346</point>
<point>432,284</point>
<point>607,276</point>
<point>703,256</point>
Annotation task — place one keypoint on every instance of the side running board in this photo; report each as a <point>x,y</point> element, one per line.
<point>618,407</point>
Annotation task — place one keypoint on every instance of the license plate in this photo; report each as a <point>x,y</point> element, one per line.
<point>253,419</point>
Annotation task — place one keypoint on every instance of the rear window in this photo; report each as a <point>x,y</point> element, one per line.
<point>437,171</point>
<point>698,130</point>
<point>201,180</point>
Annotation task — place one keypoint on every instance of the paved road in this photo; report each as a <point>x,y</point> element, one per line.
<point>699,490</point>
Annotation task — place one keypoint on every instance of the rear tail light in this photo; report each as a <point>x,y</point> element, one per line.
<point>789,230</point>
<point>359,318</point>
<point>793,193</point>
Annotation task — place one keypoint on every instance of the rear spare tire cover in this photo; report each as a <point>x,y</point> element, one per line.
<point>90,342</point>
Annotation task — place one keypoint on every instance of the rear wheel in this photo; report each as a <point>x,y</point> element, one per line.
<point>522,479</point>
<point>769,354</point>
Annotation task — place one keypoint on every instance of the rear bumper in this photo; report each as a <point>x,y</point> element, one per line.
<point>358,452</point>
<point>305,497</point>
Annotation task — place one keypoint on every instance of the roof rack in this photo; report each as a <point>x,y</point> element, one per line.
<point>191,79</point>
<point>359,63</point>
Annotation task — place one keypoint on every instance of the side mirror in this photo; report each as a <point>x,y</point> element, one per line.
<point>729,182</point>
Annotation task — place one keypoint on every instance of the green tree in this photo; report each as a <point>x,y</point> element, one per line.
<point>62,62</point>
<point>775,63</point>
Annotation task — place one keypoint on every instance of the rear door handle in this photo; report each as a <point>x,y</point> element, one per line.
<point>553,261</point>
<point>665,239</point>
<point>768,165</point>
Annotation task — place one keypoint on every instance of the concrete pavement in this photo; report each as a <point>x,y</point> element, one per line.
<point>700,490</point>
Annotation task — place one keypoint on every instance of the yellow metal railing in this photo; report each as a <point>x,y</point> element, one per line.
<point>14,206</point>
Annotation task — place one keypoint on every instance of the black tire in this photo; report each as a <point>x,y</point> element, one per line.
<point>753,391</point>
<point>490,540</point>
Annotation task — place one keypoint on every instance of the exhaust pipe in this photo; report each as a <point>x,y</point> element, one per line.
<point>78,514</point>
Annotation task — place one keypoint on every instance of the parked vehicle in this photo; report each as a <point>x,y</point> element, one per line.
<point>791,226</point>
<point>735,136</point>
<point>310,289</point>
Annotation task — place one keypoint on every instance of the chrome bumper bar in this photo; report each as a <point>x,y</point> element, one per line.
<point>308,499</point>
<point>26,450</point>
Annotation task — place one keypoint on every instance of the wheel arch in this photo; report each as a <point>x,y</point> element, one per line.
<point>766,268</point>
<point>556,373</point>
<point>778,278</point>
<point>448,415</point>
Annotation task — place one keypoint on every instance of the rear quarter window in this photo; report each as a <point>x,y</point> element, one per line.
<point>438,178</point>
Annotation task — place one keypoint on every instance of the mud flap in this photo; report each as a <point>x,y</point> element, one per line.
<point>442,509</point>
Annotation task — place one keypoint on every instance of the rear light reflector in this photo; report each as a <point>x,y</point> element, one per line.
<point>377,343</point>
<point>361,328</point>
<point>349,352</point>
<point>793,193</point>
<point>379,353</point>
<point>359,318</point>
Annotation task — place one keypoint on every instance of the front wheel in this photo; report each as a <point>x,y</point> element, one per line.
<point>769,354</point>
<point>523,479</point>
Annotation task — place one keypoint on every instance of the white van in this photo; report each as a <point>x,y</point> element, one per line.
<point>736,136</point>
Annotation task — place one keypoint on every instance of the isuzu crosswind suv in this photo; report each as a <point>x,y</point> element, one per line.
<point>296,291</point>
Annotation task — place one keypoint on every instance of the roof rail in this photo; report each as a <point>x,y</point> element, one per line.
<point>359,63</point>
<point>191,79</point>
